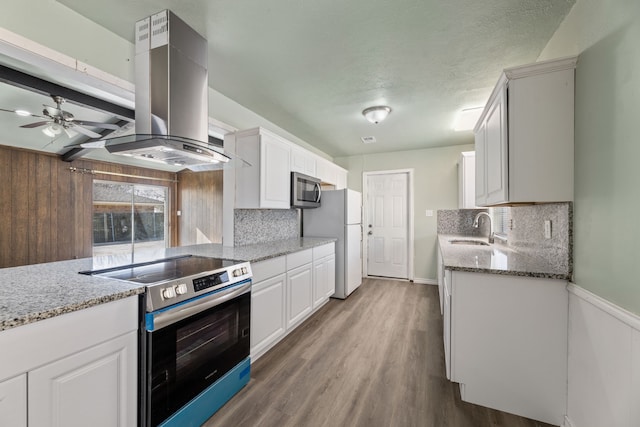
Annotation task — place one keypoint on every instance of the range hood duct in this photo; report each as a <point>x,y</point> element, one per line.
<point>171,80</point>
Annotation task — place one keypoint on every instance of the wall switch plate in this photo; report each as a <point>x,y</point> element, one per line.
<point>547,229</point>
<point>428,212</point>
<point>179,213</point>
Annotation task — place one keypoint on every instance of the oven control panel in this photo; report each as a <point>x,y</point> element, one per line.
<point>210,281</point>
<point>179,290</point>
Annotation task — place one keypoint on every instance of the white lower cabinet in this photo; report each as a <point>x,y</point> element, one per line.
<point>506,342</point>
<point>299,294</point>
<point>13,401</point>
<point>324,274</point>
<point>286,290</point>
<point>90,388</point>
<point>268,323</point>
<point>77,369</point>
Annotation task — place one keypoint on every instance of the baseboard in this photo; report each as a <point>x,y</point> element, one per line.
<point>422,281</point>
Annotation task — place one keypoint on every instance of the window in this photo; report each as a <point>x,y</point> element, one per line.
<point>128,219</point>
<point>501,220</point>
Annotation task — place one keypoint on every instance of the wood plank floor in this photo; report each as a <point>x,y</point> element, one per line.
<point>375,359</point>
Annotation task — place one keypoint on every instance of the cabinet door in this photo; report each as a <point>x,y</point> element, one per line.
<point>331,275</point>
<point>268,323</point>
<point>341,181</point>
<point>96,387</point>
<point>299,294</point>
<point>481,165</point>
<point>440,279</point>
<point>497,169</point>
<point>320,277</point>
<point>13,402</point>
<point>303,161</point>
<point>275,174</point>
<point>466,180</point>
<point>446,322</point>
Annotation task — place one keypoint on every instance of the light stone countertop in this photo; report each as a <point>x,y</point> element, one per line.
<point>40,291</point>
<point>495,259</point>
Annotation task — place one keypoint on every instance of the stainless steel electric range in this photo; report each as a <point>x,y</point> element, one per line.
<point>195,340</point>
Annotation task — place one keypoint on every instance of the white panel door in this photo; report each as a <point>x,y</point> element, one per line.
<point>299,294</point>
<point>96,387</point>
<point>13,402</point>
<point>268,321</point>
<point>387,225</point>
<point>496,152</point>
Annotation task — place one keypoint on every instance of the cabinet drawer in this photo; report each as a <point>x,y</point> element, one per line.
<point>323,251</point>
<point>268,268</point>
<point>297,259</point>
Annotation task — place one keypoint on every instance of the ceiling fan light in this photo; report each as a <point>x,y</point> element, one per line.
<point>376,114</point>
<point>23,113</point>
<point>52,130</point>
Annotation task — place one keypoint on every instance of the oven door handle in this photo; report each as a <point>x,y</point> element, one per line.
<point>177,314</point>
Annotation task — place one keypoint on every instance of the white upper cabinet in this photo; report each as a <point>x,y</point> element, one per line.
<point>524,137</point>
<point>467,180</point>
<point>303,161</point>
<point>266,183</point>
<point>331,174</point>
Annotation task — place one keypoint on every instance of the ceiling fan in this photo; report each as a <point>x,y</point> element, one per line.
<point>58,120</point>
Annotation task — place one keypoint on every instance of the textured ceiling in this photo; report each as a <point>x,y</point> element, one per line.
<point>312,66</point>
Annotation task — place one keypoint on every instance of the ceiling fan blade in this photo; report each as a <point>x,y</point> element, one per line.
<point>97,124</point>
<point>22,115</point>
<point>70,132</point>
<point>86,132</point>
<point>35,124</point>
<point>91,144</point>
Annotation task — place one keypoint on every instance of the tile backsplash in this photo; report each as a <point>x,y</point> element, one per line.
<point>525,233</point>
<point>460,221</point>
<point>265,225</point>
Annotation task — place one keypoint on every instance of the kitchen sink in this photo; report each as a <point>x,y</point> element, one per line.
<point>468,242</point>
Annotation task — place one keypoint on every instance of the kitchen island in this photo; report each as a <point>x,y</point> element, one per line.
<point>70,341</point>
<point>40,291</point>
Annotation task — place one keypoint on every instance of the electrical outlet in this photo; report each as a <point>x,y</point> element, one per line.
<point>547,229</point>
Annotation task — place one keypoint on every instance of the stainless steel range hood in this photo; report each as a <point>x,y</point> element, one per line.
<point>171,120</point>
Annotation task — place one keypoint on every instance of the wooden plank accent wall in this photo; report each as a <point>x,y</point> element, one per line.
<point>46,210</point>
<point>200,202</point>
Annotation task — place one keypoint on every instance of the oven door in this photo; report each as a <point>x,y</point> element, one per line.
<point>193,344</point>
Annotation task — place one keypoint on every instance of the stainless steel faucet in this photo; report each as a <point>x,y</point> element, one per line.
<point>476,224</point>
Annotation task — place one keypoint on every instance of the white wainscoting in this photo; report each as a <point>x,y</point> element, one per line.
<point>604,363</point>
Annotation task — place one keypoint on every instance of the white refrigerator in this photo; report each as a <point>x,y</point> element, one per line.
<point>340,216</point>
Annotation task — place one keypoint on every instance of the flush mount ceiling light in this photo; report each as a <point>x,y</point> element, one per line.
<point>376,114</point>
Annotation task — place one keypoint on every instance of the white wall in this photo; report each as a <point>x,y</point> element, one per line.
<point>604,342</point>
<point>435,187</point>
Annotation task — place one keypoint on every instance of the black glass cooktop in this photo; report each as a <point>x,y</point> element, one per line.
<point>163,269</point>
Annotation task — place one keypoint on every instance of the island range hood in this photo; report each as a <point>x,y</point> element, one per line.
<point>171,99</point>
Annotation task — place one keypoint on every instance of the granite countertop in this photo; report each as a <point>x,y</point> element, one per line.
<point>495,259</point>
<point>40,291</point>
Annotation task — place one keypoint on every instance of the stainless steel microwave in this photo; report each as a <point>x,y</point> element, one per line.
<point>305,191</point>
